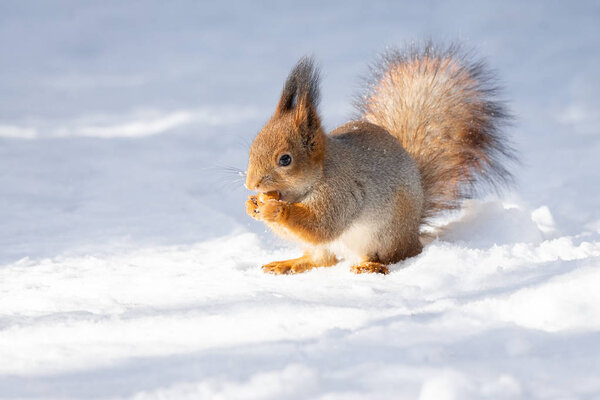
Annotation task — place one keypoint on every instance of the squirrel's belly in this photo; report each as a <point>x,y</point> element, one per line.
<point>357,242</point>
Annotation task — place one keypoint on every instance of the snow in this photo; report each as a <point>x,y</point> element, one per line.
<point>129,270</point>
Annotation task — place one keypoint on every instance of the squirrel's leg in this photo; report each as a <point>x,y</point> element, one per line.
<point>370,267</point>
<point>408,246</point>
<point>308,261</point>
<point>302,221</point>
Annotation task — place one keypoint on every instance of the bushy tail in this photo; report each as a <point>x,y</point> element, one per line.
<point>442,107</point>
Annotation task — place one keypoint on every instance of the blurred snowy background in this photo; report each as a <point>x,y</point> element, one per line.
<point>128,269</point>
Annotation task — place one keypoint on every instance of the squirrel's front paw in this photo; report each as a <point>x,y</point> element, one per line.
<point>272,210</point>
<point>252,207</point>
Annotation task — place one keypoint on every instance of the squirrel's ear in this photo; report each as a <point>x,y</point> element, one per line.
<point>306,115</point>
<point>307,121</point>
<point>302,84</point>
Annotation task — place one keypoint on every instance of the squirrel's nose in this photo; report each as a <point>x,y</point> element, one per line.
<point>252,182</point>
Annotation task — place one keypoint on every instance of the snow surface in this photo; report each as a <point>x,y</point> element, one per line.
<point>128,269</point>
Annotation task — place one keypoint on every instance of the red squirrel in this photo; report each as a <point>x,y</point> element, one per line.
<point>428,135</point>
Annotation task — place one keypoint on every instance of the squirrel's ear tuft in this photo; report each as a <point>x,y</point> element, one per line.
<point>301,86</point>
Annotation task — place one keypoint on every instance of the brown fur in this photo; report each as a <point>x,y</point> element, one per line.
<point>409,244</point>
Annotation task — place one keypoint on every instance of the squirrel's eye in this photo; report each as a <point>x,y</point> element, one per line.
<point>285,160</point>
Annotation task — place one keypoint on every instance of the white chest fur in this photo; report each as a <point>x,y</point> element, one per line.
<point>356,242</point>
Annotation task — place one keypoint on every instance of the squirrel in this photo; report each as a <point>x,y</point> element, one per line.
<point>428,135</point>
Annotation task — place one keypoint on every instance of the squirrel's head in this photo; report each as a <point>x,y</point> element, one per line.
<point>287,154</point>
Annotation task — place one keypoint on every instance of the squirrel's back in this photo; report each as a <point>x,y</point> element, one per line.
<point>441,105</point>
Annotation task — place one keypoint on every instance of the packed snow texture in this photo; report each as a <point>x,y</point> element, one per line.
<point>129,270</point>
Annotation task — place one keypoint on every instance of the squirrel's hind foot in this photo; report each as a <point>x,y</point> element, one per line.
<point>370,267</point>
<point>298,265</point>
<point>294,266</point>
